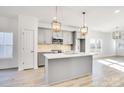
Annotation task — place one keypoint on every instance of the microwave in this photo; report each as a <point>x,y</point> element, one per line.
<point>57,41</point>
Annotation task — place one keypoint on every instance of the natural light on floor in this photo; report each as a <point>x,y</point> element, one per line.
<point>113,63</point>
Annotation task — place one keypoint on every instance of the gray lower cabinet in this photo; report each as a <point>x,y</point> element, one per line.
<point>41,58</point>
<point>67,37</point>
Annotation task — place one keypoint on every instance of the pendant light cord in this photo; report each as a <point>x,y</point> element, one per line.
<point>83,18</point>
<point>56,12</point>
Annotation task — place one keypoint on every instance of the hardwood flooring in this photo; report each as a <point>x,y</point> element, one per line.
<point>107,72</point>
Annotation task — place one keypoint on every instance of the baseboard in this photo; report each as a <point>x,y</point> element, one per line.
<point>9,68</point>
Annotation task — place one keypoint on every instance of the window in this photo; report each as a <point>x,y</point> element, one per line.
<point>6,45</point>
<point>92,45</point>
<point>121,44</point>
<point>95,45</point>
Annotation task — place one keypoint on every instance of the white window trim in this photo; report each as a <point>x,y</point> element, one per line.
<point>11,45</point>
<point>95,50</point>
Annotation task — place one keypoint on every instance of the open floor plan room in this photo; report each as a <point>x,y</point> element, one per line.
<point>61,46</point>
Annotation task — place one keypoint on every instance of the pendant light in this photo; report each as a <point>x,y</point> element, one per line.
<point>56,25</point>
<point>84,28</point>
<point>116,34</point>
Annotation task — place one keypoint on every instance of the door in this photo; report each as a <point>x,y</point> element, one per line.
<point>28,49</point>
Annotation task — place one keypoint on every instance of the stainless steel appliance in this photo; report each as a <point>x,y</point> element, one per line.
<point>57,41</point>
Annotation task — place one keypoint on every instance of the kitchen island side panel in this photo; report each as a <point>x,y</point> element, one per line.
<point>68,68</point>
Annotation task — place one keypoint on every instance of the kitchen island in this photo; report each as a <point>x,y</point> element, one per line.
<point>61,67</point>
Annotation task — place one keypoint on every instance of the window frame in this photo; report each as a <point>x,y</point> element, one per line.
<point>11,45</point>
<point>96,49</point>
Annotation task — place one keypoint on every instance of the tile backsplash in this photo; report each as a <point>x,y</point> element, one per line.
<point>47,48</point>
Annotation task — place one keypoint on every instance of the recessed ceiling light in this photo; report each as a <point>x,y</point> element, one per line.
<point>116,11</point>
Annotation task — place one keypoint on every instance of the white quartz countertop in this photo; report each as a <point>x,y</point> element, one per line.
<point>65,55</point>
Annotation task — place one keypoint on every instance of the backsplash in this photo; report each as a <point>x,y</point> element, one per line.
<point>47,48</point>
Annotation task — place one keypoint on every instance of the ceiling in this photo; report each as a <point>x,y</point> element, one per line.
<point>98,18</point>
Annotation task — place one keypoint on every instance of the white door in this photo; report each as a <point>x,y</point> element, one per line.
<point>28,49</point>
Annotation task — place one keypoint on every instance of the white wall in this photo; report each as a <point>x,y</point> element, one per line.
<point>108,48</point>
<point>120,52</point>
<point>63,27</point>
<point>9,25</point>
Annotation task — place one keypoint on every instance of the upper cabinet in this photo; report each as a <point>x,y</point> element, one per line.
<point>67,37</point>
<point>44,36</point>
<point>41,37</point>
<point>58,35</point>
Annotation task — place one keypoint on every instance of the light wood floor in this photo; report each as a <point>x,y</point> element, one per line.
<point>107,72</point>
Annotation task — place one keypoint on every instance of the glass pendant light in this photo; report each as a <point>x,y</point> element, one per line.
<point>116,34</point>
<point>84,28</point>
<point>56,25</point>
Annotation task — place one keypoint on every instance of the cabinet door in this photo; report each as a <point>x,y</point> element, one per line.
<point>41,59</point>
<point>65,37</point>
<point>44,36</point>
<point>58,35</point>
<point>48,37</point>
<point>70,39</point>
<point>41,36</point>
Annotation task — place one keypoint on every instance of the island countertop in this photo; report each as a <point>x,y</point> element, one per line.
<point>65,55</point>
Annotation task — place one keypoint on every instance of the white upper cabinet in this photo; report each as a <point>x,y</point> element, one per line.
<point>48,37</point>
<point>58,35</point>
<point>70,40</point>
<point>44,36</point>
<point>67,37</point>
<point>41,36</point>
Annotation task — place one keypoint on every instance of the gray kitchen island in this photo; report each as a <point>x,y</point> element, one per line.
<point>61,67</point>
